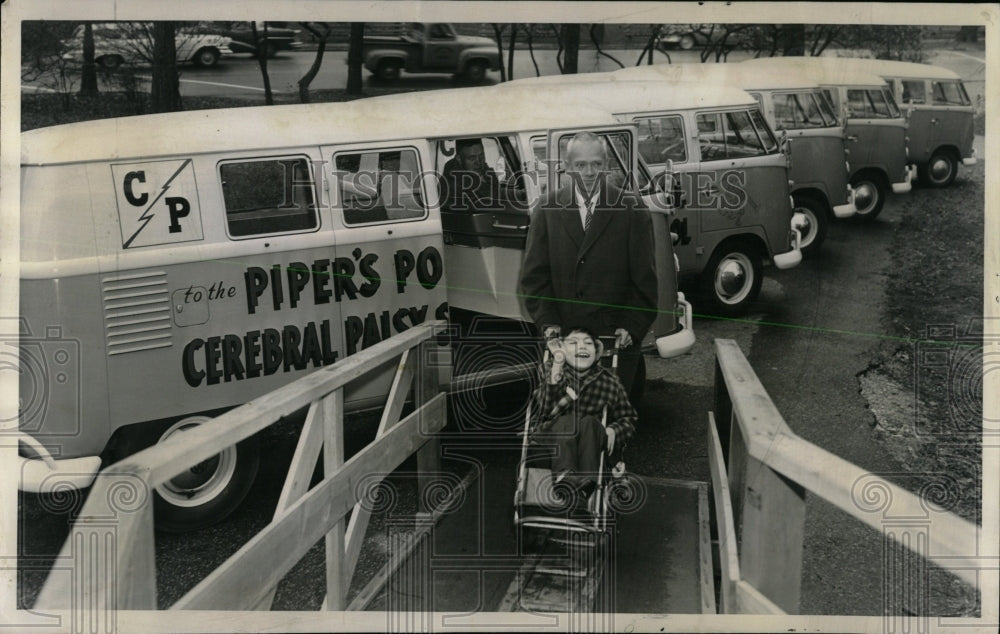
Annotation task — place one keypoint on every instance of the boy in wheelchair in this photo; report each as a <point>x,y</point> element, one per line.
<point>574,394</point>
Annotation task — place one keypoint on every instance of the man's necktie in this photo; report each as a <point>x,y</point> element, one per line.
<point>589,216</point>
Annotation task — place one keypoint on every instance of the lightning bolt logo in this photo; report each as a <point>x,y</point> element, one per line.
<point>146,216</point>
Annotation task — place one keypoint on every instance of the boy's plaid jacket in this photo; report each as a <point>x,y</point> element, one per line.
<point>594,389</point>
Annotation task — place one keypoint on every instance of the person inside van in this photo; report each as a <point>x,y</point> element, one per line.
<point>468,184</point>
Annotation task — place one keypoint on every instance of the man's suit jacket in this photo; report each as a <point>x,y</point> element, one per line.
<point>605,279</point>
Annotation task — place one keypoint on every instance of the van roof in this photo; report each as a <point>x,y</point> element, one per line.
<point>460,112</point>
<point>824,70</point>
<point>626,95</point>
<point>893,68</point>
<point>728,74</point>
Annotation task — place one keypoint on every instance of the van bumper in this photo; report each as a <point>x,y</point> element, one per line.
<point>968,162</point>
<point>792,258</point>
<point>678,343</point>
<point>848,209</point>
<point>40,475</point>
<point>906,185</point>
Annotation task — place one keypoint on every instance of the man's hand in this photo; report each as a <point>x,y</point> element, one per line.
<point>611,438</point>
<point>622,338</point>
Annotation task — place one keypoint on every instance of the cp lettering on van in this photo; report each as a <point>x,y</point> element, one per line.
<point>157,202</point>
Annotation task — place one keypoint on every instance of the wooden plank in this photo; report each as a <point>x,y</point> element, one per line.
<point>771,535</point>
<point>755,413</point>
<point>705,553</point>
<point>165,460</point>
<point>428,456</point>
<point>953,540</point>
<point>360,516</point>
<point>269,555</point>
<point>728,554</point>
<point>333,458</point>
<point>110,547</point>
<point>750,601</point>
<point>375,585</point>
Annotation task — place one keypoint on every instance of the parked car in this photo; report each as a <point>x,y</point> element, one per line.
<point>682,36</point>
<point>271,37</point>
<point>430,48</point>
<point>117,43</point>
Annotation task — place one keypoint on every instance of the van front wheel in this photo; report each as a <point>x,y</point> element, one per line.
<point>814,232</point>
<point>733,277</point>
<point>940,170</point>
<point>870,192</point>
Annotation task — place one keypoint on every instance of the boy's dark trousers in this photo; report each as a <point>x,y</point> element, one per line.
<point>580,442</point>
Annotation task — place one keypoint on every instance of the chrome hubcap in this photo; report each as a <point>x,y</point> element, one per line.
<point>807,229</point>
<point>865,195</point>
<point>203,481</point>
<point>733,278</point>
<point>940,169</point>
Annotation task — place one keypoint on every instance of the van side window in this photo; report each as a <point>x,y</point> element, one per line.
<point>727,135</point>
<point>479,174</point>
<point>619,161</point>
<point>662,139</point>
<point>949,93</point>
<point>268,196</point>
<point>913,91</point>
<point>381,185</point>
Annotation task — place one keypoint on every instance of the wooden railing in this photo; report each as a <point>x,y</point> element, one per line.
<point>759,490</point>
<point>111,545</point>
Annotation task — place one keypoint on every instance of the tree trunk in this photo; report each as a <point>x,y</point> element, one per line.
<point>510,51</point>
<point>260,44</point>
<point>793,39</point>
<point>498,36</point>
<point>88,76</point>
<point>320,32</point>
<point>355,58</point>
<point>570,62</point>
<point>165,93</point>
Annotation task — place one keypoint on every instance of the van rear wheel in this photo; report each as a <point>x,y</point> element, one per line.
<point>206,493</point>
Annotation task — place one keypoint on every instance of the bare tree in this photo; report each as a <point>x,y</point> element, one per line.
<point>530,36</point>
<point>594,28</point>
<point>355,54</point>
<point>557,31</point>
<point>320,31</point>
<point>88,73</point>
<point>165,94</point>
<point>260,52</point>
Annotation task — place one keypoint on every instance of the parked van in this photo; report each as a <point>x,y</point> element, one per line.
<point>939,113</point>
<point>793,105</point>
<point>875,128</point>
<point>731,209</point>
<point>176,265</point>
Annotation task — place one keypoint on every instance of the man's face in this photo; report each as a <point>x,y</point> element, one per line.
<point>580,350</point>
<point>473,158</point>
<point>587,160</point>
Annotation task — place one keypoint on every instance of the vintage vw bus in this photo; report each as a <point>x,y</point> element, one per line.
<point>793,105</point>
<point>176,265</point>
<point>731,209</point>
<point>939,113</point>
<point>875,129</point>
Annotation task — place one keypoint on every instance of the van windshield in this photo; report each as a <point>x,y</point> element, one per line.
<point>727,135</point>
<point>950,93</point>
<point>797,111</point>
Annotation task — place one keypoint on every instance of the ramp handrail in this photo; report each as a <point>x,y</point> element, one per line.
<point>110,549</point>
<point>760,496</point>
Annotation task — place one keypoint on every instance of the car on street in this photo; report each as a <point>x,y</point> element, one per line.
<point>430,48</point>
<point>117,43</point>
<point>270,38</point>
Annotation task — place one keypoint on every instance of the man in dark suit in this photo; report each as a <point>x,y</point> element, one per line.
<point>589,258</point>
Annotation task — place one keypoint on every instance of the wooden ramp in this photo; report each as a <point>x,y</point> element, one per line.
<point>656,560</point>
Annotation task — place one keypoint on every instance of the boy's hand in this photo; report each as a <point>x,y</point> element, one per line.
<point>611,439</point>
<point>622,337</point>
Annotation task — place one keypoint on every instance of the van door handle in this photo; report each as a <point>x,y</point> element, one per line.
<point>934,121</point>
<point>499,225</point>
<point>852,137</point>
